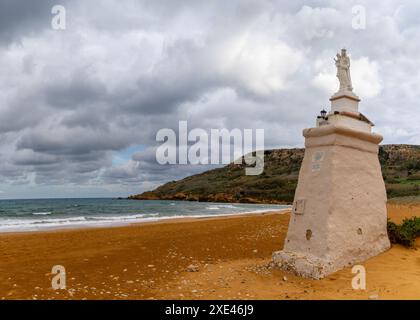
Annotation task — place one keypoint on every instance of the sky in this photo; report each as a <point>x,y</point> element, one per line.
<point>80,107</point>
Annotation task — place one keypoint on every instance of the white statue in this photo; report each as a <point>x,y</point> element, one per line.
<point>343,71</point>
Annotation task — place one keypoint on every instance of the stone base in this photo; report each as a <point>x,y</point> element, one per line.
<point>310,266</point>
<point>345,93</point>
<point>302,265</point>
<point>345,101</point>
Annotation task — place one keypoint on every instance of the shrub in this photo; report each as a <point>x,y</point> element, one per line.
<point>405,233</point>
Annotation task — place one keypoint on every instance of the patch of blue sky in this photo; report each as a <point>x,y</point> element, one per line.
<point>125,155</point>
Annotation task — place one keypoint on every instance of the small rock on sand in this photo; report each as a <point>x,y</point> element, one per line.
<point>193,268</point>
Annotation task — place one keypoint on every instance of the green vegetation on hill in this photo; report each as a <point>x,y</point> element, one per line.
<point>400,168</point>
<point>405,233</point>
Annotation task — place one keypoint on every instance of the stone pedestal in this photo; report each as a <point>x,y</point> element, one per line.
<point>345,101</point>
<point>339,213</point>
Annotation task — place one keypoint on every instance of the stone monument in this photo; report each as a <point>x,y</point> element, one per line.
<point>339,215</point>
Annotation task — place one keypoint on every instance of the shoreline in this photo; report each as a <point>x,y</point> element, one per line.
<point>413,207</point>
<point>146,221</point>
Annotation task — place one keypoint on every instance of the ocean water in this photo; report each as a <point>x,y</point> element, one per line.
<point>41,214</point>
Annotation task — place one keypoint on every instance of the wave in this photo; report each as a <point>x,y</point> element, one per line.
<point>222,206</point>
<point>122,218</point>
<point>213,208</point>
<point>10,222</point>
<point>15,225</point>
<point>42,213</point>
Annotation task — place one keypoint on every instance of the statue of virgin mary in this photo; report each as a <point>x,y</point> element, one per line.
<point>342,62</point>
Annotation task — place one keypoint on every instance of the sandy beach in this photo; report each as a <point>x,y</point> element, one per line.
<point>149,261</point>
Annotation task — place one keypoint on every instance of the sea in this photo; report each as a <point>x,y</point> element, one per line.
<point>44,214</point>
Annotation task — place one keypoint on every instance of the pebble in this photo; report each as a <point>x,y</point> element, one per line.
<point>193,268</point>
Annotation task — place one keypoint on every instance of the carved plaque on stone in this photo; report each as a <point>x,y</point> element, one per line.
<point>317,159</point>
<point>299,207</point>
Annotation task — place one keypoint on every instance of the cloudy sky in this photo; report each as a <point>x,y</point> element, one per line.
<point>80,107</point>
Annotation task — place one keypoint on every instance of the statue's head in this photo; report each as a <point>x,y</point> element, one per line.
<point>343,52</point>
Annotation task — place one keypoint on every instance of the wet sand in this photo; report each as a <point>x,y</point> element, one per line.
<point>150,261</point>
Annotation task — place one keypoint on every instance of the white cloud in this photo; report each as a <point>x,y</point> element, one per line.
<point>325,78</point>
<point>318,23</point>
<point>262,63</point>
<point>365,75</point>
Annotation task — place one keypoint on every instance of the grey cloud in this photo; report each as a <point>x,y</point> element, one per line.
<point>24,18</point>
<point>75,142</point>
<point>29,158</point>
<point>79,91</point>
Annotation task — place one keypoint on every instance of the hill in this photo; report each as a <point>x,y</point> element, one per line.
<point>400,168</point>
